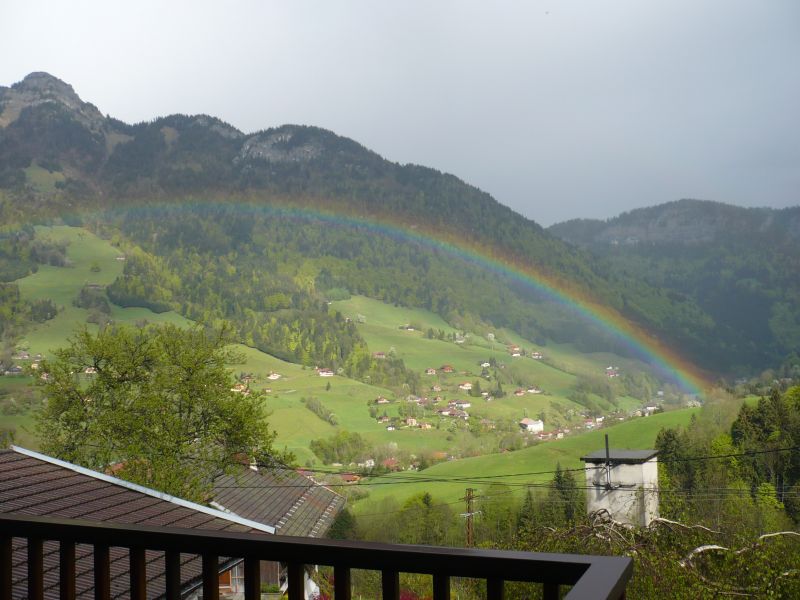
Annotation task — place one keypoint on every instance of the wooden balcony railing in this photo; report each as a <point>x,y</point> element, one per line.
<point>590,577</point>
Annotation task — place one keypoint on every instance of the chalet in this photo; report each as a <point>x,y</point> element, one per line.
<point>531,425</point>
<point>390,428</point>
<point>367,464</point>
<point>239,388</point>
<point>436,388</point>
<point>247,378</point>
<point>273,376</point>
<point>325,372</point>
<point>649,410</point>
<point>382,400</point>
<point>545,435</point>
<point>612,371</point>
<point>462,404</point>
<point>445,412</point>
<point>383,419</point>
<point>537,355</point>
<point>391,463</point>
<point>599,420</point>
<point>447,369</point>
<point>519,392</point>
<point>516,354</point>
<point>379,355</point>
<point>534,390</point>
<point>589,424</point>
<point>350,477</point>
<point>485,365</point>
<point>411,421</point>
<point>430,371</point>
<point>54,488</point>
<point>465,387</point>
<point>425,425</point>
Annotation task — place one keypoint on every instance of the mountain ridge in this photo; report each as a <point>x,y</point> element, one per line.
<point>59,157</point>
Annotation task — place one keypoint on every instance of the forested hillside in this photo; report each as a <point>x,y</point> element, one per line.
<point>740,266</point>
<point>173,189</point>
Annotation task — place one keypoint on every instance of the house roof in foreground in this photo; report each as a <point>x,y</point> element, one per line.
<point>39,485</point>
<point>293,503</point>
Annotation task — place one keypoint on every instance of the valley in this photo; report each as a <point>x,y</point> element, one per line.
<point>411,335</point>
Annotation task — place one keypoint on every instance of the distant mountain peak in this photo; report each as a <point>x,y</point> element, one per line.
<point>45,83</point>
<point>41,88</point>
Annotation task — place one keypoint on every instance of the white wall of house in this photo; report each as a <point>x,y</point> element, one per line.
<point>637,505</point>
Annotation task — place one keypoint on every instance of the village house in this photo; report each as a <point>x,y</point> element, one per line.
<point>537,355</point>
<point>390,428</point>
<point>273,376</point>
<point>519,392</point>
<point>430,371</point>
<point>436,388</point>
<point>531,425</point>
<point>411,422</point>
<point>425,425</point>
<point>612,371</point>
<point>239,388</point>
<point>382,400</point>
<point>534,390</point>
<point>367,464</point>
<point>391,463</point>
<point>462,404</point>
<point>325,372</point>
<point>379,355</point>
<point>485,365</point>
<point>286,504</point>
<point>350,477</point>
<point>447,369</point>
<point>465,387</point>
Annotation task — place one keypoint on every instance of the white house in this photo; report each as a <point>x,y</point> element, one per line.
<point>531,425</point>
<point>625,484</point>
<point>325,373</point>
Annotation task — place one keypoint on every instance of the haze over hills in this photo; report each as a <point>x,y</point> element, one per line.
<point>189,176</point>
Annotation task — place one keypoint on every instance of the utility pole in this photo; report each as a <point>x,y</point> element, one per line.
<point>468,498</point>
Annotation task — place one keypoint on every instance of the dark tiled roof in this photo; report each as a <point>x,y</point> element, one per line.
<point>290,502</point>
<point>35,485</point>
<point>627,457</point>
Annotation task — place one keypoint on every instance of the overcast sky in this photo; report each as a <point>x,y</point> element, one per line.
<point>559,108</point>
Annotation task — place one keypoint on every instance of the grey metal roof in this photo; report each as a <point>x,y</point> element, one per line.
<point>32,484</point>
<point>292,503</point>
<point>629,457</point>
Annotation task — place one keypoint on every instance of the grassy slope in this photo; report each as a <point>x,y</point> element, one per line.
<point>297,426</point>
<point>637,434</point>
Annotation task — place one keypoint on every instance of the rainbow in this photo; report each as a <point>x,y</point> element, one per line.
<point>665,361</point>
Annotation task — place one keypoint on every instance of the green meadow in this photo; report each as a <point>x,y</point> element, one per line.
<point>520,467</point>
<point>96,261</point>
